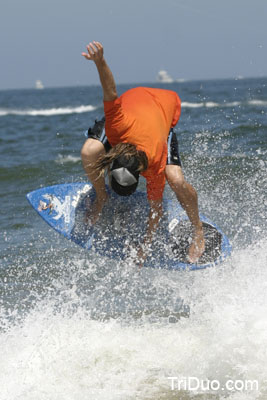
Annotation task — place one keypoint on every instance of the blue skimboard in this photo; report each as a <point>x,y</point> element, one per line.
<point>123,223</point>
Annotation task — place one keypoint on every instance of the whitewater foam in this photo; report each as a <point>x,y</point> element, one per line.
<point>49,111</point>
<point>88,108</point>
<point>258,102</point>
<point>61,159</point>
<point>211,104</point>
<point>58,355</point>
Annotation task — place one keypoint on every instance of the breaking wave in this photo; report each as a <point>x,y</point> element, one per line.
<point>88,108</point>
<point>49,111</point>
<point>61,159</point>
<point>210,104</point>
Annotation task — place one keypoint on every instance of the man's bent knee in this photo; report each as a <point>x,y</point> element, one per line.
<point>175,177</point>
<point>92,149</point>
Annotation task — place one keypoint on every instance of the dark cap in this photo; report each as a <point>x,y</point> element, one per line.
<point>124,175</point>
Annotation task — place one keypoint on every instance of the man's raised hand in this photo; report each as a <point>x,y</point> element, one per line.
<point>95,52</point>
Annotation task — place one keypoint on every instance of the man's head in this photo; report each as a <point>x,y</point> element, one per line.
<point>124,175</point>
<point>124,163</point>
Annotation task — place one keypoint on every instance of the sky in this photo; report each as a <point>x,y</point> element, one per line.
<point>191,39</point>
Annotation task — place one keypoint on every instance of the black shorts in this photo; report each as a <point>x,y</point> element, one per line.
<point>98,132</point>
<point>173,157</point>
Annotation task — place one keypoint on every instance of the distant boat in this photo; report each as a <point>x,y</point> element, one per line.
<point>164,77</point>
<point>39,84</point>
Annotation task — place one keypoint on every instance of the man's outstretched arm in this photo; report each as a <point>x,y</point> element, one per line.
<point>95,52</point>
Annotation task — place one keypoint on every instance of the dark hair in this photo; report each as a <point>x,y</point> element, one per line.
<point>127,151</point>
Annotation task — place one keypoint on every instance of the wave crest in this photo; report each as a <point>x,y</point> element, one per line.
<point>49,111</point>
<point>211,104</point>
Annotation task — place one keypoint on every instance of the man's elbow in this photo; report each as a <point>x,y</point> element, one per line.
<point>110,95</point>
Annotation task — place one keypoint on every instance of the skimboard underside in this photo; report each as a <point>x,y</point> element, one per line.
<point>123,223</point>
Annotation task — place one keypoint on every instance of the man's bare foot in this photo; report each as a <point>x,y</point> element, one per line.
<point>94,210</point>
<point>197,247</point>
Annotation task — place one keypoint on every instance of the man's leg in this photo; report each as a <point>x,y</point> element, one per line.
<point>90,152</point>
<point>187,196</point>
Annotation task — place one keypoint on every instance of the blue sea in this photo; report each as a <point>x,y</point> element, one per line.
<point>75,325</point>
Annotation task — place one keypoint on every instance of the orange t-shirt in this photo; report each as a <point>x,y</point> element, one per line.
<point>143,117</point>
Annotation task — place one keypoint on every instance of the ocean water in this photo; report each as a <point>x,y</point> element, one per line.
<point>75,325</point>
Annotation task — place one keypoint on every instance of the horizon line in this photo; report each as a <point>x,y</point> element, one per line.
<point>175,81</point>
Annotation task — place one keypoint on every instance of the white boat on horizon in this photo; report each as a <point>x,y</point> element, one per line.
<point>164,77</point>
<point>39,84</point>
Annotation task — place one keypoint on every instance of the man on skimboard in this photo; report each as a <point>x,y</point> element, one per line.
<point>139,139</point>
